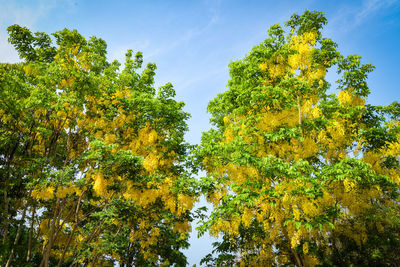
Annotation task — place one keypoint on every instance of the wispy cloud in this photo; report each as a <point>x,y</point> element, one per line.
<point>370,7</point>
<point>26,15</point>
<point>350,17</point>
<point>186,37</point>
<point>153,50</point>
<point>13,12</point>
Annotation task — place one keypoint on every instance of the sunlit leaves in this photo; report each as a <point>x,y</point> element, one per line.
<point>97,153</point>
<point>294,174</point>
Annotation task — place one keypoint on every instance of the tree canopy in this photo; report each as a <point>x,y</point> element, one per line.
<point>92,158</point>
<point>95,170</point>
<point>297,175</point>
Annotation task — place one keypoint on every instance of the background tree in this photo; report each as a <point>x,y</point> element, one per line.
<point>298,176</point>
<point>91,158</point>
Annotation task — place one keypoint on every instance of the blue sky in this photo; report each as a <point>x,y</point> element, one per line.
<point>192,42</point>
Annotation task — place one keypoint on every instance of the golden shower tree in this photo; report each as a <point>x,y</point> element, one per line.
<point>298,176</point>
<point>92,158</point>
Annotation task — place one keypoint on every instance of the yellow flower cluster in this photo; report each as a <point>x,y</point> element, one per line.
<point>303,45</point>
<point>44,193</point>
<point>100,184</point>
<point>63,191</point>
<point>348,97</point>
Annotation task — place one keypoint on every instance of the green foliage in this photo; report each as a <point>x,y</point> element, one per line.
<point>95,170</point>
<point>297,176</point>
<point>92,158</point>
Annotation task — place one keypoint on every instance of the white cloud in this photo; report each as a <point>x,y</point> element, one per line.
<point>370,7</point>
<point>350,17</point>
<point>153,50</point>
<point>189,35</point>
<point>12,12</point>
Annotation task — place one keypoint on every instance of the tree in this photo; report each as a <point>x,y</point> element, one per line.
<point>298,176</point>
<point>92,159</point>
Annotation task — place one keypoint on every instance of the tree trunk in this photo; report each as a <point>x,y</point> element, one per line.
<point>17,237</point>
<point>5,224</point>
<point>294,253</point>
<point>46,256</point>
<point>28,256</point>
<point>73,231</point>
